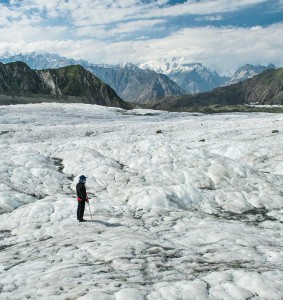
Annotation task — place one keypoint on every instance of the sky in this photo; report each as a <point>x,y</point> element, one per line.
<point>221,34</point>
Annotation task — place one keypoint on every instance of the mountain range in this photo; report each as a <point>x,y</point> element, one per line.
<point>248,71</point>
<point>20,84</point>
<point>148,81</point>
<point>75,83</point>
<point>265,88</point>
<point>194,78</point>
<point>131,83</point>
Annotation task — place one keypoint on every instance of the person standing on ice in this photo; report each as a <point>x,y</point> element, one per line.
<point>82,198</point>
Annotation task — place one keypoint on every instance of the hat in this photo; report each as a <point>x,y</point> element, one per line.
<point>83,178</point>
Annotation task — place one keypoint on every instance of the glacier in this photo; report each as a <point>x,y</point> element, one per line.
<point>185,205</point>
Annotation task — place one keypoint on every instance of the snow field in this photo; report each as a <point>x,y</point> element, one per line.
<point>175,217</point>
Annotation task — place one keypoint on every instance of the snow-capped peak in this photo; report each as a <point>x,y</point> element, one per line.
<point>248,71</point>
<point>5,55</point>
<point>172,65</point>
<point>127,65</point>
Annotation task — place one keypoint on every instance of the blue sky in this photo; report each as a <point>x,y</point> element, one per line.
<point>221,34</point>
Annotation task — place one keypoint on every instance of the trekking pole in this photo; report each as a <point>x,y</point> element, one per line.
<point>90,212</point>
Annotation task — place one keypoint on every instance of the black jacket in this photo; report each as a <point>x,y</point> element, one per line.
<point>81,191</point>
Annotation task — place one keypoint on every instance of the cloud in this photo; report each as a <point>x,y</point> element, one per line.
<point>123,30</point>
<point>226,48</point>
<point>98,12</point>
<point>204,7</point>
<point>104,18</point>
<point>23,31</point>
<point>209,18</point>
<point>6,15</point>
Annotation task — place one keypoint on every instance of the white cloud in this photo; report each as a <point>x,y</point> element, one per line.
<point>210,18</point>
<point>82,29</point>
<point>224,47</point>
<point>227,48</point>
<point>121,28</point>
<point>6,15</point>
<point>23,31</point>
<point>106,13</point>
<point>205,7</point>
<point>105,18</point>
<point>97,12</point>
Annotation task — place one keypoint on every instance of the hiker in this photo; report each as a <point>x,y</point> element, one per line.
<point>82,198</point>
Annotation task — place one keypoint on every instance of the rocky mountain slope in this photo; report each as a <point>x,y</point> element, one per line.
<point>18,79</point>
<point>134,84</point>
<point>130,82</point>
<point>265,88</point>
<point>248,71</point>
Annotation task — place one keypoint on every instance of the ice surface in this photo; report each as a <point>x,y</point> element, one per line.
<point>174,217</point>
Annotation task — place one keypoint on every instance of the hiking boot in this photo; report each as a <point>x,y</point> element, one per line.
<point>82,220</point>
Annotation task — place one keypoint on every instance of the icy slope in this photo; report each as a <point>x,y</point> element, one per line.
<point>193,212</point>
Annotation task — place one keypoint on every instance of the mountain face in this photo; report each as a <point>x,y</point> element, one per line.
<point>129,81</point>
<point>193,78</point>
<point>265,88</point>
<point>135,84</point>
<point>18,79</point>
<point>248,71</point>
